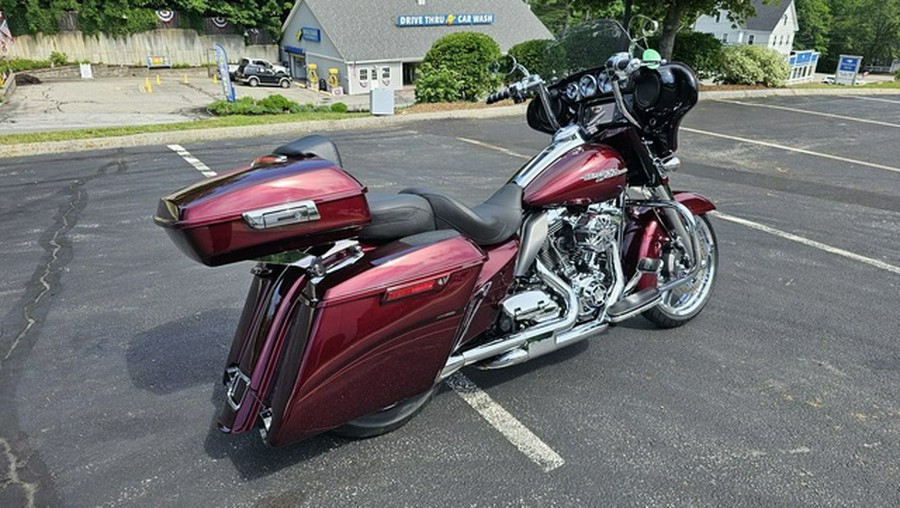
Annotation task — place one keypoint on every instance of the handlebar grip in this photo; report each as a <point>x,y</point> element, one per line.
<point>498,96</point>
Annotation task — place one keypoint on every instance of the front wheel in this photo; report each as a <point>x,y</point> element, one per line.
<point>253,82</point>
<point>681,304</point>
<point>387,419</point>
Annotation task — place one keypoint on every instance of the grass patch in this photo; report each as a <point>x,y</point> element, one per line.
<point>227,121</point>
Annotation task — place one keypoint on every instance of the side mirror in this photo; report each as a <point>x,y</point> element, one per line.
<point>505,65</point>
<point>642,27</point>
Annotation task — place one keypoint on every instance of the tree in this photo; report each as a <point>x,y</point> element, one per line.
<point>869,28</point>
<point>676,14</point>
<point>815,20</point>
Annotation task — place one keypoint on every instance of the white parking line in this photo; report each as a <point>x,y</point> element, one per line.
<point>495,148</point>
<point>806,241</point>
<point>791,149</point>
<point>879,99</point>
<point>193,161</point>
<point>808,112</point>
<point>506,424</point>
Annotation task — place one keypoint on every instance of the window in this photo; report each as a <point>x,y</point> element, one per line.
<point>784,20</point>
<point>364,74</point>
<point>386,73</point>
<point>750,39</point>
<point>718,16</point>
<point>724,37</point>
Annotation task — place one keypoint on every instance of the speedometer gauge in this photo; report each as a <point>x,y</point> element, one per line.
<point>588,85</point>
<point>572,92</point>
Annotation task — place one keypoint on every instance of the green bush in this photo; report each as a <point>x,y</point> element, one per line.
<point>469,56</point>
<point>437,84</point>
<point>530,54</point>
<point>702,52</point>
<point>752,65</point>
<point>58,58</point>
<point>897,76</point>
<point>276,103</point>
<point>272,105</point>
<point>24,64</point>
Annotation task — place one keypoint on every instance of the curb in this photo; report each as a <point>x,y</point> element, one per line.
<point>190,136</point>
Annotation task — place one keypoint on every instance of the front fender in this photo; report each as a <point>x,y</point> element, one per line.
<point>645,236</point>
<point>696,203</point>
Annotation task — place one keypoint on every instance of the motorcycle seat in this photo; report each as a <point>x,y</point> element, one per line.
<point>395,216</point>
<point>311,146</point>
<point>490,223</point>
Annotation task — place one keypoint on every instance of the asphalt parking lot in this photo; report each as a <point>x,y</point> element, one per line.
<point>783,392</point>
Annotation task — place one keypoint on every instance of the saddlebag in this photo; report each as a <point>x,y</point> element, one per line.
<point>264,209</point>
<point>354,341</point>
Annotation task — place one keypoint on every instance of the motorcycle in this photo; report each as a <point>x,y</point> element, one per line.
<point>360,305</point>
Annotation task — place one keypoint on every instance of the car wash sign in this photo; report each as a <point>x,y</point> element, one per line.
<point>445,20</point>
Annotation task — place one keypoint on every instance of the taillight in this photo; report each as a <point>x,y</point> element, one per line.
<point>416,288</point>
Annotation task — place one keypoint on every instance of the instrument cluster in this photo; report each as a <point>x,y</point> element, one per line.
<point>585,86</point>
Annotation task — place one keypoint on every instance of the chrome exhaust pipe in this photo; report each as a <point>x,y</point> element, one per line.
<point>514,341</point>
<point>541,348</point>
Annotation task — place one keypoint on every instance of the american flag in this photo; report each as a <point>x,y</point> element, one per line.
<point>6,37</point>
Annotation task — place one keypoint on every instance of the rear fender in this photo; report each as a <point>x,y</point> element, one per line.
<point>645,236</point>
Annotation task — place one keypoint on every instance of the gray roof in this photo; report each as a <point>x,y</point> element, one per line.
<point>767,15</point>
<point>367,29</point>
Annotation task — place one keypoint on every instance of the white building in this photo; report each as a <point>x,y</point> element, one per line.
<point>774,26</point>
<point>379,43</point>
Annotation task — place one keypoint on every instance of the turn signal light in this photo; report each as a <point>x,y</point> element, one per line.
<point>416,288</point>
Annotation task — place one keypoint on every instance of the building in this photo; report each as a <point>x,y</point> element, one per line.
<point>380,43</point>
<point>774,26</point>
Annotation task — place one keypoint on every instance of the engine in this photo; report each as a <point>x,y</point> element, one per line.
<point>583,247</point>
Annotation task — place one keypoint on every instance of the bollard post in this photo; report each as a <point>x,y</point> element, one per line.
<point>157,79</point>
<point>185,79</point>
<point>147,85</point>
<point>215,78</point>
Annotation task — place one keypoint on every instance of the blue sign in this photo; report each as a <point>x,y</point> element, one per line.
<point>310,34</point>
<point>849,63</point>
<point>446,20</point>
<point>224,76</point>
<point>792,60</point>
<point>804,57</point>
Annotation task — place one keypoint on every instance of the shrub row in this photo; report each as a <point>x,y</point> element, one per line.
<point>272,105</point>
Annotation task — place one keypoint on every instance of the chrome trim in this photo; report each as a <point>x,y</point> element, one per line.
<point>534,233</point>
<point>236,377</point>
<point>296,212</point>
<point>502,345</point>
<point>620,102</point>
<point>565,140</point>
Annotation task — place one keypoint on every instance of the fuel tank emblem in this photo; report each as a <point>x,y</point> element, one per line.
<point>599,176</point>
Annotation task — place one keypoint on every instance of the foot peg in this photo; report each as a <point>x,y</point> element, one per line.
<point>633,305</point>
<point>649,265</point>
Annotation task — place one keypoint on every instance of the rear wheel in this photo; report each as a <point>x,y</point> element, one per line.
<point>387,419</point>
<point>253,82</point>
<point>681,304</point>
<point>285,83</point>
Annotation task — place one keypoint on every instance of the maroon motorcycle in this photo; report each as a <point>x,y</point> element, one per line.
<point>361,304</point>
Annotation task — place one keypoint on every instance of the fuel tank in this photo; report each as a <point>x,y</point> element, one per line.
<point>588,174</point>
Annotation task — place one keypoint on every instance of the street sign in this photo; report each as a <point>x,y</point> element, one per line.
<point>848,68</point>
<point>224,76</point>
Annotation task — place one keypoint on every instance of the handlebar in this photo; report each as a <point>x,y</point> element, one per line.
<point>498,96</point>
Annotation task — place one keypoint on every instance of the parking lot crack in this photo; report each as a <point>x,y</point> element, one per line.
<point>12,477</point>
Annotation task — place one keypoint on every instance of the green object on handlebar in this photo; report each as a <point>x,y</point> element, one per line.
<point>651,58</point>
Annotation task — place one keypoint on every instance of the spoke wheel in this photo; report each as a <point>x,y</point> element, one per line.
<point>681,304</point>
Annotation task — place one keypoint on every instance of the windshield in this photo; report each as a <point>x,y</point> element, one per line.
<point>585,46</point>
